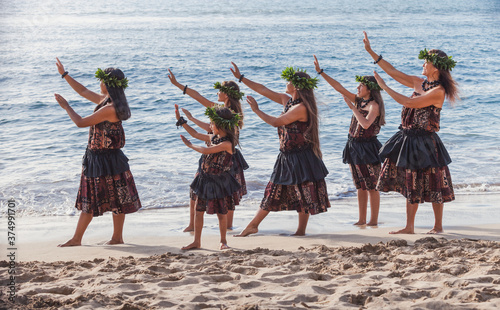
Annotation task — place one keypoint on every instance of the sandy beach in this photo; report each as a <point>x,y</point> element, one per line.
<point>358,268</point>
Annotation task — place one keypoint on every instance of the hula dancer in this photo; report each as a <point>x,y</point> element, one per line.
<point>361,150</point>
<point>298,180</point>
<point>229,93</point>
<point>214,190</point>
<point>106,183</point>
<point>416,161</point>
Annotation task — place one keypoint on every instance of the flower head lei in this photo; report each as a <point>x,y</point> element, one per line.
<point>111,81</point>
<point>221,122</point>
<point>442,63</point>
<point>298,82</point>
<point>231,92</point>
<point>371,85</point>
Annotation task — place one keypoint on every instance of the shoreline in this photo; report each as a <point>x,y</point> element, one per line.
<point>156,231</point>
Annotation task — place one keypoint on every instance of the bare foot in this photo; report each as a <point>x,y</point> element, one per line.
<point>435,231</point>
<point>359,223</point>
<point>372,224</point>
<point>70,242</point>
<point>297,233</point>
<point>224,246</point>
<point>188,229</point>
<point>402,231</point>
<point>191,246</point>
<point>247,231</point>
<point>112,242</point>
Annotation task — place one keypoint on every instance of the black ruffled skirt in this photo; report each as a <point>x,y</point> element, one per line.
<point>293,168</point>
<point>98,163</point>
<point>416,149</point>
<point>214,186</point>
<point>240,160</point>
<point>362,151</point>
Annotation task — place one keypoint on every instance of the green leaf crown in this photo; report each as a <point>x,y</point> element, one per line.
<point>231,92</point>
<point>109,80</point>
<point>442,63</point>
<point>371,85</point>
<point>298,82</point>
<point>221,122</point>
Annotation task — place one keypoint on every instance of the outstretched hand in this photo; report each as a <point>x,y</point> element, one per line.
<point>366,42</point>
<point>62,102</point>
<point>171,77</point>
<point>253,103</point>
<point>177,114</point>
<point>60,67</point>
<point>187,113</point>
<point>380,81</point>
<point>186,141</point>
<point>316,64</point>
<point>235,71</point>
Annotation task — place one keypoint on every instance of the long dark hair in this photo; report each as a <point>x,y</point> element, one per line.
<point>117,95</point>
<point>378,99</point>
<point>449,84</point>
<point>226,113</point>
<point>235,104</point>
<point>309,101</point>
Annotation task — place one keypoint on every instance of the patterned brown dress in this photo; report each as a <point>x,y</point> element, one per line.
<point>298,180</point>
<point>106,183</point>
<point>416,161</point>
<point>215,188</point>
<point>361,151</point>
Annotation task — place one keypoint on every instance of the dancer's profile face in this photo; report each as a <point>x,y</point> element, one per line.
<point>428,68</point>
<point>290,89</point>
<point>221,97</point>
<point>104,90</point>
<point>363,90</point>
<point>214,128</point>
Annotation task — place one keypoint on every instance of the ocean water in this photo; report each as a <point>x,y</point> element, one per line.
<point>41,148</point>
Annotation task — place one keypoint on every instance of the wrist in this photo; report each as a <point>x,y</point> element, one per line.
<point>64,74</point>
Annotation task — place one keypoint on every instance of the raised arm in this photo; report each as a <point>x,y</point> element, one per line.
<point>190,92</point>
<point>106,113</point>
<point>365,122</point>
<point>336,85</point>
<point>405,79</point>
<point>202,125</point>
<point>79,88</point>
<point>433,97</point>
<point>296,113</point>
<point>280,98</point>
<point>191,131</point>
<point>224,146</point>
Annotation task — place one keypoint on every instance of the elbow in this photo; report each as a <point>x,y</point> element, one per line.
<point>365,126</point>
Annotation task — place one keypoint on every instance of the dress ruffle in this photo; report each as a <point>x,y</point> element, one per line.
<point>293,168</point>
<point>97,163</point>
<point>362,151</point>
<point>214,186</point>
<point>238,158</point>
<point>416,149</point>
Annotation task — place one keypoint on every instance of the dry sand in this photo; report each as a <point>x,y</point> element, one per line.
<point>362,269</point>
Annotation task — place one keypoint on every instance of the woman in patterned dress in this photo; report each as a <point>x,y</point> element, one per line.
<point>229,93</point>
<point>215,189</point>
<point>361,150</point>
<point>298,180</point>
<point>416,161</point>
<point>106,183</point>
